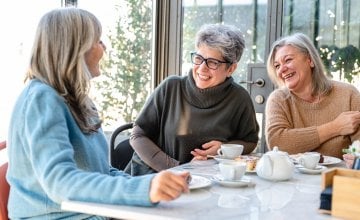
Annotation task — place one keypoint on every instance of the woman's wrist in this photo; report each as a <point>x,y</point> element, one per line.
<point>327,131</point>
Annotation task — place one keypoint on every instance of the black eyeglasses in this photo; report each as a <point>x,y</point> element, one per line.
<point>211,63</point>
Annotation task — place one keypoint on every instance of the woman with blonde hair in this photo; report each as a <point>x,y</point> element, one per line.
<point>308,111</point>
<point>57,150</point>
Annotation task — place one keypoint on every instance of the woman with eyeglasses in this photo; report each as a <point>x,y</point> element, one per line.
<point>189,117</point>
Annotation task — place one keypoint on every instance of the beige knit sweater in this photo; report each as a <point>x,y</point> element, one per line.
<point>291,122</point>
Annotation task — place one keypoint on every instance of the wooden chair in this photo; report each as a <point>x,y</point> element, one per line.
<point>120,150</point>
<point>4,187</point>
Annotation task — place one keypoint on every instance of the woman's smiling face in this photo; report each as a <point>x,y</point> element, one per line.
<point>204,76</point>
<point>293,68</point>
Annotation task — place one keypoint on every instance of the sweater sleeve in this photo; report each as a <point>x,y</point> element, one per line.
<point>146,131</point>
<point>149,152</point>
<point>279,129</point>
<point>355,106</point>
<point>47,131</point>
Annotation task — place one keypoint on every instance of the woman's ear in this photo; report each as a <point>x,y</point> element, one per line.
<point>231,69</point>
<point>312,65</point>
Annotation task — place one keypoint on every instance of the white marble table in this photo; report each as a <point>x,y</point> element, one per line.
<point>298,198</point>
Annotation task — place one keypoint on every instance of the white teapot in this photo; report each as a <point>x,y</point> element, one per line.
<point>275,165</point>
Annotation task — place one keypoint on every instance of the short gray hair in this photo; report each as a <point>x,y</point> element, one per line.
<point>321,83</point>
<point>227,39</point>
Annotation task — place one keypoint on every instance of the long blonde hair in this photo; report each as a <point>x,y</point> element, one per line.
<point>58,59</point>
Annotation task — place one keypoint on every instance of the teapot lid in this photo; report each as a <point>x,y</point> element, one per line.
<point>277,152</point>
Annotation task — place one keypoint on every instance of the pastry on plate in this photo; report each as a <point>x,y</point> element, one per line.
<point>250,161</point>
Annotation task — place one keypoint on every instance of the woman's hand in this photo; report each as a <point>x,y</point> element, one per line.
<point>209,148</point>
<point>347,122</point>
<point>166,186</point>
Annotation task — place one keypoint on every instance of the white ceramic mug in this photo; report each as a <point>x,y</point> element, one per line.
<point>309,160</point>
<point>230,151</point>
<point>232,170</point>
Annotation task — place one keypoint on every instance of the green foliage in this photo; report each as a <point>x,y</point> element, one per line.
<point>345,60</point>
<point>327,56</point>
<point>125,81</point>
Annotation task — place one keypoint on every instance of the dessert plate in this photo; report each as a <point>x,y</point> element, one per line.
<point>317,169</point>
<point>198,182</point>
<point>328,160</point>
<point>245,181</point>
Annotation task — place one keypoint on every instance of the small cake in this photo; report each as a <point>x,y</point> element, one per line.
<point>251,165</point>
<point>250,162</point>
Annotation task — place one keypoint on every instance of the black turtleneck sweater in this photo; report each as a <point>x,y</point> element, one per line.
<point>179,117</point>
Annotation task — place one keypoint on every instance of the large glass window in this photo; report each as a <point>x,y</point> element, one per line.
<point>127,32</point>
<point>122,88</point>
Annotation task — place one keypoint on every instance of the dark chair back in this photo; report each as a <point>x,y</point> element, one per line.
<point>120,151</point>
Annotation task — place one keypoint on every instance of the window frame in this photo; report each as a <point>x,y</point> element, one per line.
<point>167,40</point>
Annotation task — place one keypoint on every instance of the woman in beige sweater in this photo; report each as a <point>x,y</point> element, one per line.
<point>308,111</point>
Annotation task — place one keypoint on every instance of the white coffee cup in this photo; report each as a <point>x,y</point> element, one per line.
<point>309,160</point>
<point>230,151</point>
<point>232,170</point>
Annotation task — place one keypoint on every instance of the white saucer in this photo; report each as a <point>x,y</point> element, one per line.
<point>317,170</point>
<point>245,181</point>
<point>328,160</point>
<point>220,158</point>
<point>198,182</point>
